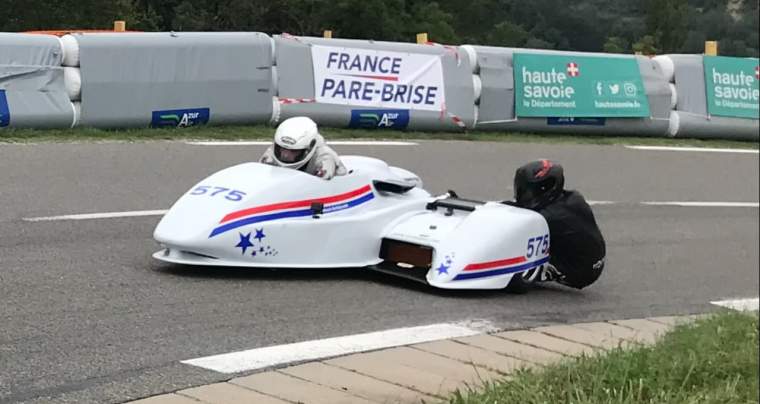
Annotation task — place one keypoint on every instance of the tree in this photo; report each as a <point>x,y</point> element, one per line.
<point>368,19</point>
<point>537,43</point>
<point>647,45</point>
<point>507,34</point>
<point>616,44</point>
<point>666,23</point>
<point>430,18</point>
<point>695,42</point>
<point>586,25</point>
<point>138,18</point>
<point>188,16</point>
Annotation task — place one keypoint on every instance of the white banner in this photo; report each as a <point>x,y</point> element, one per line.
<point>363,77</point>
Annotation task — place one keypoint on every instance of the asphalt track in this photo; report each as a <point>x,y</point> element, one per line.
<point>86,315</point>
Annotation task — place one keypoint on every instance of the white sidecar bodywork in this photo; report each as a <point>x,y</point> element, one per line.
<point>377,216</point>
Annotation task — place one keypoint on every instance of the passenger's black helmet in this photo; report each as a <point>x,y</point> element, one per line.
<point>538,183</point>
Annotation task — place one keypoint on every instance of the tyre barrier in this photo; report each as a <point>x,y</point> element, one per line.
<point>188,78</point>
<point>691,117</point>
<point>34,90</point>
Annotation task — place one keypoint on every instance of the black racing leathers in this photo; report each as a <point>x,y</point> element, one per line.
<point>577,247</point>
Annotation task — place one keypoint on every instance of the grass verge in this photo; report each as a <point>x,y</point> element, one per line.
<point>714,360</point>
<point>264,132</point>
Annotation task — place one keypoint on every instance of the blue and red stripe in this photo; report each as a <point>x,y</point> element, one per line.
<point>283,210</point>
<point>499,267</point>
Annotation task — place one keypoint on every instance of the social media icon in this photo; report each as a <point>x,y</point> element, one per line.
<point>630,89</point>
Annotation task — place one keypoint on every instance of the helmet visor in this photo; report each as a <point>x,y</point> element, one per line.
<point>533,196</point>
<point>288,156</point>
<point>525,196</point>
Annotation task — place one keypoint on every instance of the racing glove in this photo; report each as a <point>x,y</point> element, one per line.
<point>325,171</point>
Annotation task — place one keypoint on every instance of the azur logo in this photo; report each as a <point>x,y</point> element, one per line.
<point>5,113</point>
<point>180,118</point>
<point>379,118</point>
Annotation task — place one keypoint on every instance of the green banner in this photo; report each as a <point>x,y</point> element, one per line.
<point>732,86</point>
<point>578,86</point>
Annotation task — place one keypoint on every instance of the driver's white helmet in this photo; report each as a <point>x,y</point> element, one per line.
<point>295,142</point>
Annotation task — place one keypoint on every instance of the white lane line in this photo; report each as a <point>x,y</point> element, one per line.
<point>105,215</point>
<point>750,304</point>
<point>210,143</point>
<point>694,149</point>
<point>334,143</point>
<point>705,204</point>
<point>311,350</point>
<point>139,213</point>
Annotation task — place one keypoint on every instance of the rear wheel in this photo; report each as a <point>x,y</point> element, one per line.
<point>517,285</point>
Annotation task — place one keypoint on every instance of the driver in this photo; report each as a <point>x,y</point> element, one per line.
<point>298,145</point>
<point>577,246</point>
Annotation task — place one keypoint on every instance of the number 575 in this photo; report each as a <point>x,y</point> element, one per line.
<point>229,194</point>
<point>537,245</point>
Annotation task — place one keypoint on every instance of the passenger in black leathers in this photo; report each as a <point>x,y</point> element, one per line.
<point>577,248</point>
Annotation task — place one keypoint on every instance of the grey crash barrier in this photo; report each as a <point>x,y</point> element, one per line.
<point>33,90</point>
<point>183,79</point>
<point>687,125</point>
<point>497,100</point>
<point>175,79</point>
<point>691,116</point>
<point>372,84</point>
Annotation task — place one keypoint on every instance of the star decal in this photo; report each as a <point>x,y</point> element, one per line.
<point>245,242</point>
<point>254,242</point>
<point>442,269</point>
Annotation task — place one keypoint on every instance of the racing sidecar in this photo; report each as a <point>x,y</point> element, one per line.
<point>376,216</point>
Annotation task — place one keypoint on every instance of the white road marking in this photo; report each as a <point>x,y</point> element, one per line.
<point>311,350</point>
<point>693,149</point>
<point>750,304</point>
<point>704,204</point>
<point>215,143</point>
<point>88,216</point>
<point>334,143</point>
<point>139,213</point>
